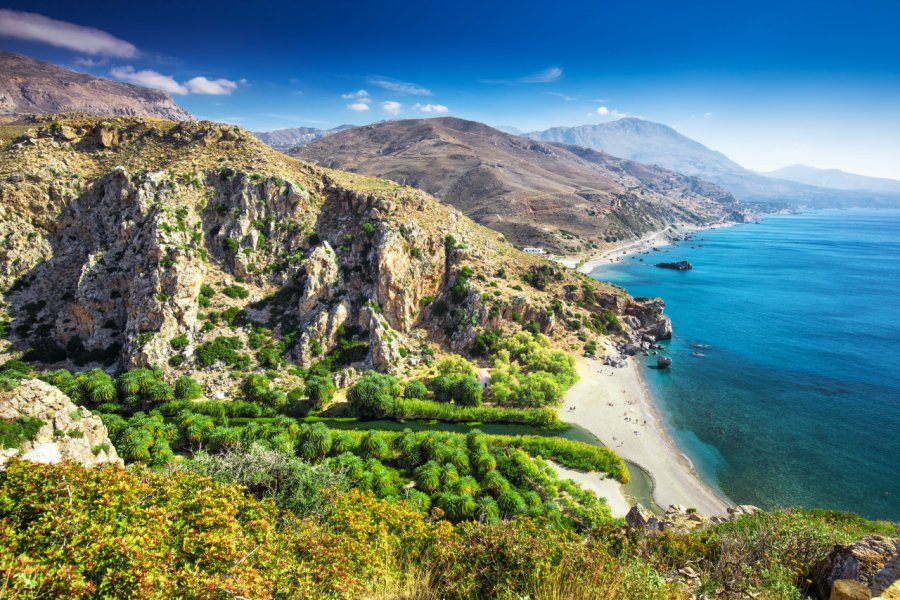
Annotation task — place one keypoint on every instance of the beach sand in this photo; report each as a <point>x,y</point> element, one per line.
<point>615,405</point>
<point>657,239</point>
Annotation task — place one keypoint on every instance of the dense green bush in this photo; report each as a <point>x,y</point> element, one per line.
<point>319,391</point>
<point>374,395</point>
<point>415,389</point>
<point>222,348</point>
<point>236,291</point>
<point>14,432</point>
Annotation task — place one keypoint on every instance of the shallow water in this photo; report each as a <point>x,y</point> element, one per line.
<point>795,399</point>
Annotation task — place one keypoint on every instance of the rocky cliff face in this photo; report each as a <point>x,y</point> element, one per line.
<point>68,432</point>
<point>124,234</point>
<point>29,86</point>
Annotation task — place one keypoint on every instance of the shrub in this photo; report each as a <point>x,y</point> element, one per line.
<point>320,391</point>
<point>467,391</point>
<point>454,364</point>
<point>373,395</point>
<point>415,389</point>
<point>236,291</point>
<point>179,342</point>
<point>222,348</point>
<point>14,432</point>
<point>187,388</point>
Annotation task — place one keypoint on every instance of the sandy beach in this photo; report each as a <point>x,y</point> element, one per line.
<point>615,405</point>
<point>657,239</point>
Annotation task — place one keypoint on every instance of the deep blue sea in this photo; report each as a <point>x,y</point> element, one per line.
<point>796,399</point>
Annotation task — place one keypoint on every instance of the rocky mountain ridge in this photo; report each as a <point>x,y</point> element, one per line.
<point>115,229</point>
<point>560,198</point>
<point>29,86</point>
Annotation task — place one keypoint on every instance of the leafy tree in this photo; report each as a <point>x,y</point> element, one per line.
<point>320,391</point>
<point>373,395</point>
<point>415,389</point>
<point>187,388</point>
<point>454,364</point>
<point>467,391</point>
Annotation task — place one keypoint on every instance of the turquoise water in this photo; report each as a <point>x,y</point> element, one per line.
<point>796,399</point>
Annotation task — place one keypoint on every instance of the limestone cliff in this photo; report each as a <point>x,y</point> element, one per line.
<point>124,235</point>
<point>68,432</point>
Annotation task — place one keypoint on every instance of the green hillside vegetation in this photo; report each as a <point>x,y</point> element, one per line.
<point>293,531</point>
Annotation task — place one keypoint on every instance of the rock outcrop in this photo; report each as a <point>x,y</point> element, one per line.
<point>681,265</point>
<point>679,518</point>
<point>69,432</point>
<point>872,563</point>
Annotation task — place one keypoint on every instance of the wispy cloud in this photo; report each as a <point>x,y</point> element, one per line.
<point>167,83</point>
<point>563,96</point>
<point>38,28</point>
<point>707,114</point>
<point>358,106</point>
<point>395,85</point>
<point>548,75</point>
<point>357,94</point>
<point>391,107</point>
<point>430,108</point>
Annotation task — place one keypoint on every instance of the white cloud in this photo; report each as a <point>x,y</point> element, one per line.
<point>602,111</point>
<point>546,76</point>
<point>150,79</point>
<point>166,83</point>
<point>427,108</point>
<point>38,28</point>
<point>391,107</point>
<point>359,94</point>
<point>707,114</point>
<point>211,87</point>
<point>358,106</point>
<point>395,85</point>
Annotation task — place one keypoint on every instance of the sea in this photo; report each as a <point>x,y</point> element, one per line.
<point>784,388</point>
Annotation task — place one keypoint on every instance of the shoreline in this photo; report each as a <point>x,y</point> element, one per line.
<point>616,406</point>
<point>658,239</point>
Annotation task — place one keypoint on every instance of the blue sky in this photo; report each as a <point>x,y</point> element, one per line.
<point>767,83</point>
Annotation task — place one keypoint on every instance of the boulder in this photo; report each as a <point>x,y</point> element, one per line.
<point>848,589</point>
<point>69,432</point>
<point>873,562</point>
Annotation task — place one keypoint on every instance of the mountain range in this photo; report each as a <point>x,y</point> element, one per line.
<point>563,198</point>
<point>29,86</point>
<point>836,179</point>
<point>654,143</point>
<point>286,139</point>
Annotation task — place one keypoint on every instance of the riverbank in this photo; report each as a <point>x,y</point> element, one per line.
<point>615,405</point>
<point>657,239</point>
